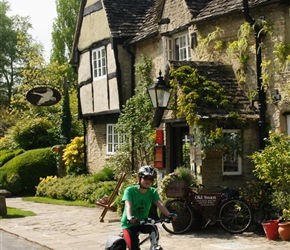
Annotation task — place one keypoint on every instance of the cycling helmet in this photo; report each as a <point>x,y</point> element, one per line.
<point>147,170</point>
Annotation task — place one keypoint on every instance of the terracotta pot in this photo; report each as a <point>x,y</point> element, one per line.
<point>271,229</point>
<point>284,230</point>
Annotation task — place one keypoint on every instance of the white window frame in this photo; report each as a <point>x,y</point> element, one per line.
<point>238,157</point>
<point>168,48</point>
<point>99,64</point>
<point>113,139</point>
<point>182,48</point>
<point>177,48</point>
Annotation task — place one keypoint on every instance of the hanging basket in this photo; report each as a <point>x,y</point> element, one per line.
<point>177,189</point>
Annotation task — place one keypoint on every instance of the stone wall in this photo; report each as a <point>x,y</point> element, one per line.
<point>96,142</point>
<point>278,15</point>
<point>211,169</point>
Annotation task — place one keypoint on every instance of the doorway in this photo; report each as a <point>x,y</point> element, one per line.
<point>180,146</point>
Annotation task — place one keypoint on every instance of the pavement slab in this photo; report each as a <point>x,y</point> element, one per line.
<point>72,228</point>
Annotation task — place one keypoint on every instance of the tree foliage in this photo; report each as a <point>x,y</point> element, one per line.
<point>33,70</point>
<point>272,165</point>
<point>135,122</point>
<point>12,30</point>
<point>63,34</point>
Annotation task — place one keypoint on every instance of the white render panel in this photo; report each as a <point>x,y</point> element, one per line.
<point>114,96</point>
<point>90,2</point>
<point>100,89</point>
<point>111,63</point>
<point>86,99</point>
<point>84,71</point>
<point>94,28</point>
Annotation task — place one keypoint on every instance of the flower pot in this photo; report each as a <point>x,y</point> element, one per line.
<point>271,229</point>
<point>284,230</point>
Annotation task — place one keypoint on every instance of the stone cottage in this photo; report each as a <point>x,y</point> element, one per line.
<point>233,43</point>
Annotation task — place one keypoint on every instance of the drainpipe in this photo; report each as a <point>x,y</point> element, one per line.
<point>133,86</point>
<point>260,88</point>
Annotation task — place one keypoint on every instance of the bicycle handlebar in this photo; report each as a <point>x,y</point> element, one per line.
<point>197,185</point>
<point>150,221</point>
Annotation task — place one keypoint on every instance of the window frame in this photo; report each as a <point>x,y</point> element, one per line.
<point>113,139</point>
<point>172,49</point>
<point>182,47</point>
<point>99,63</point>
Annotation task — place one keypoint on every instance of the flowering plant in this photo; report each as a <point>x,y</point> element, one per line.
<point>181,173</point>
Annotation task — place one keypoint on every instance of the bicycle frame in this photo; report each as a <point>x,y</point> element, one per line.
<point>154,235</point>
<point>200,209</point>
<point>153,238</point>
<point>206,204</point>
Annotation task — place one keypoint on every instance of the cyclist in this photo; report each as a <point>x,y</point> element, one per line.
<point>138,200</point>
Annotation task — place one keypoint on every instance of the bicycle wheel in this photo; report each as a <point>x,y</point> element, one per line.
<point>235,216</point>
<point>184,217</point>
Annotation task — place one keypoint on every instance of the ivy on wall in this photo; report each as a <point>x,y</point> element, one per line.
<point>241,50</point>
<point>193,92</point>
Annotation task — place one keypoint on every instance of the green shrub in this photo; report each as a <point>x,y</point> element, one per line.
<point>72,188</point>
<point>7,155</point>
<point>106,174</point>
<point>272,166</point>
<point>258,195</point>
<point>21,174</point>
<point>34,133</point>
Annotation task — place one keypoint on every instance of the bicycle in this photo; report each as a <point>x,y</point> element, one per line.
<point>153,237</point>
<point>199,209</point>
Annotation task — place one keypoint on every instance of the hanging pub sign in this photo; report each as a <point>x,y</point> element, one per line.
<point>43,96</point>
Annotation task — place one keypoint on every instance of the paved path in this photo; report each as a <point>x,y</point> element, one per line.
<point>73,228</point>
<point>13,242</point>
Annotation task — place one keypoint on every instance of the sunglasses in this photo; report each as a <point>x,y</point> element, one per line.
<point>148,178</point>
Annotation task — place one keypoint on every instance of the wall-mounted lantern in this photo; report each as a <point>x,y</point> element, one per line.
<point>159,93</point>
<point>276,96</point>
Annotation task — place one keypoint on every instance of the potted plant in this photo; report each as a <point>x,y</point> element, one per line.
<point>284,226</point>
<point>177,184</point>
<point>281,201</point>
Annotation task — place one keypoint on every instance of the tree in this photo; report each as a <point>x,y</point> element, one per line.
<point>63,34</point>
<point>135,122</point>
<point>12,29</point>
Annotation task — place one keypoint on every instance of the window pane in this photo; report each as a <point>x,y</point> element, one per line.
<point>114,139</point>
<point>99,62</point>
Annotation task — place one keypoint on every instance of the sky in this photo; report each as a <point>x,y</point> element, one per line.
<point>42,14</point>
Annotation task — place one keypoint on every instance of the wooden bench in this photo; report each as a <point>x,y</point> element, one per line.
<point>110,204</point>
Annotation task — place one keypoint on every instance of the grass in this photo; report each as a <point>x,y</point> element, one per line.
<point>16,213</point>
<point>58,202</point>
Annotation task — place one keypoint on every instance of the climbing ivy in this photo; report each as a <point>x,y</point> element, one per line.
<point>282,53</point>
<point>195,92</point>
<point>209,44</point>
<point>135,121</point>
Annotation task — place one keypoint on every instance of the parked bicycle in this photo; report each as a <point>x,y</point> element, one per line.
<point>201,209</point>
<point>119,243</point>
